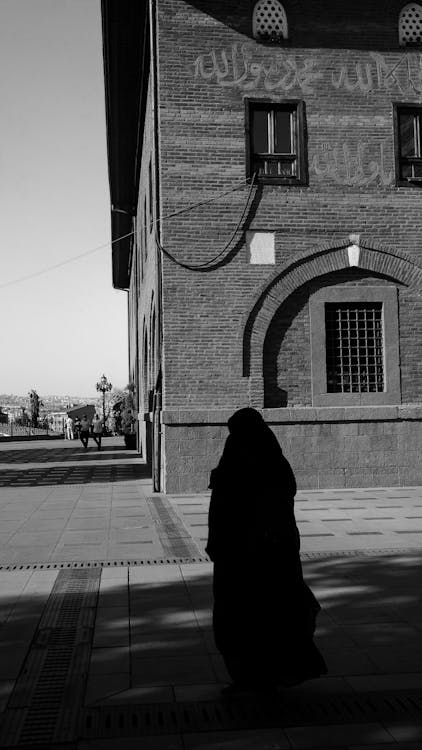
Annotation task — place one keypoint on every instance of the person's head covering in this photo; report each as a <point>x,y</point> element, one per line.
<point>245,420</point>
<point>252,457</point>
<point>251,437</point>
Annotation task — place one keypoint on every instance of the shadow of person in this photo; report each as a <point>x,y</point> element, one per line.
<point>264,614</point>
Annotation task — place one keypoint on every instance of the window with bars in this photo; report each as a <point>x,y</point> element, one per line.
<point>276,148</point>
<point>354,335</point>
<point>408,121</point>
<point>354,347</point>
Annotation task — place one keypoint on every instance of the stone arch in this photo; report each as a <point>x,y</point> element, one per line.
<point>353,252</point>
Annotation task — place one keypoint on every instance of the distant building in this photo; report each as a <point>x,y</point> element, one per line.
<point>56,420</point>
<point>296,285</point>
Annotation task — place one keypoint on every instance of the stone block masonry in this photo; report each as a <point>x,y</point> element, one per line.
<point>327,447</point>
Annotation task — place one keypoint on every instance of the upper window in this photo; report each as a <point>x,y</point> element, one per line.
<point>276,141</point>
<point>410,24</point>
<point>269,22</point>
<point>408,143</point>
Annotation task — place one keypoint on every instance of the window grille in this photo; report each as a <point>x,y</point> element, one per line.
<point>410,24</point>
<point>354,347</point>
<point>269,20</point>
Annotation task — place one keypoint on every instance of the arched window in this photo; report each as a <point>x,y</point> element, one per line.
<point>269,21</point>
<point>152,348</point>
<point>145,368</point>
<point>410,24</point>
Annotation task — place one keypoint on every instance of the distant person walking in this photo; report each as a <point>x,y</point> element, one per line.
<point>84,430</point>
<point>97,430</point>
<point>264,614</point>
<point>69,428</point>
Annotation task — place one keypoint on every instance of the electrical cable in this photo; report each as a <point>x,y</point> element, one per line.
<point>204,266</point>
<point>64,262</point>
<point>204,203</point>
<point>125,236</point>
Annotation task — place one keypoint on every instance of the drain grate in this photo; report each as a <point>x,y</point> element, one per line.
<point>173,560</point>
<point>127,721</point>
<point>393,551</point>
<point>86,564</point>
<point>45,703</point>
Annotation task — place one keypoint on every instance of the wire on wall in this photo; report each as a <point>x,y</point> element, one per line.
<point>206,265</point>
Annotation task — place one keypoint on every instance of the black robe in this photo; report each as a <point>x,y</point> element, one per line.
<point>264,614</point>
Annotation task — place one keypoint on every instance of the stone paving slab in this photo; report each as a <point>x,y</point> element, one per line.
<point>336,520</point>
<point>152,641</point>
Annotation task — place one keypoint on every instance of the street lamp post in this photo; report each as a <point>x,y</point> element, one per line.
<point>102,387</point>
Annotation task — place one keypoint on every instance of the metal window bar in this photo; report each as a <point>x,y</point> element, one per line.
<point>354,347</point>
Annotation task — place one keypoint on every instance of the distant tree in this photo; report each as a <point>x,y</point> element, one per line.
<point>128,415</point>
<point>34,407</point>
<point>117,395</point>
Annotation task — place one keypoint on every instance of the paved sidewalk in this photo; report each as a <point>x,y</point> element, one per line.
<point>111,646</point>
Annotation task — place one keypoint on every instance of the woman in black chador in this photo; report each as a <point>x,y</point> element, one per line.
<point>264,614</point>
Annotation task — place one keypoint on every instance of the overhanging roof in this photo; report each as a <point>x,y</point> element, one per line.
<point>126,64</point>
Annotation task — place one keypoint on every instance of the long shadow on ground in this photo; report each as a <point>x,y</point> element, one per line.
<point>73,475</point>
<point>372,612</point>
<point>61,455</point>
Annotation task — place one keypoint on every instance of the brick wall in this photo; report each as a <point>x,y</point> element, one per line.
<point>236,333</point>
<point>348,69</point>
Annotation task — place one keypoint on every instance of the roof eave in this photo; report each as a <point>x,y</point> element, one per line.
<point>125,59</point>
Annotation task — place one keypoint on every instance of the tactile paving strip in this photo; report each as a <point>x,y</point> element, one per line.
<point>45,703</point>
<point>173,534</point>
<point>249,713</point>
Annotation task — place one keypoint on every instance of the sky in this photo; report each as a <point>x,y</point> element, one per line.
<point>60,331</point>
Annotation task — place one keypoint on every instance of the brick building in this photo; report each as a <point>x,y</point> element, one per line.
<point>267,158</point>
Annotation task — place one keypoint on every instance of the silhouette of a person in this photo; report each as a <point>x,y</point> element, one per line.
<point>264,614</point>
<point>84,430</point>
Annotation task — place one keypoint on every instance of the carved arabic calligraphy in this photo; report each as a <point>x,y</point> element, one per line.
<point>239,67</point>
<point>350,166</point>
<point>236,68</point>
<point>403,76</point>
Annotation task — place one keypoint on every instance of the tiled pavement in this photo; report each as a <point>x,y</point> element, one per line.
<point>152,643</point>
